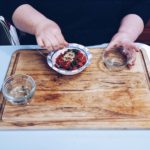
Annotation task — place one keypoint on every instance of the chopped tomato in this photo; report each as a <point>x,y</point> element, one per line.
<point>72,59</point>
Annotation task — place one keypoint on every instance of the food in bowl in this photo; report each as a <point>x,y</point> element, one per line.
<point>71,59</point>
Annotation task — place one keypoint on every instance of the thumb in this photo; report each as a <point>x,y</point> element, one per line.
<point>111,45</point>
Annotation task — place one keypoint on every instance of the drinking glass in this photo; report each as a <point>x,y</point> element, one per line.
<point>18,89</point>
<point>115,59</point>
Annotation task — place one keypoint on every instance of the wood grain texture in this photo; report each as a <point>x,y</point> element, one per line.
<point>93,99</point>
<point>2,101</point>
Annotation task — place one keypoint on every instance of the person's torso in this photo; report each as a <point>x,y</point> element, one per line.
<point>86,19</point>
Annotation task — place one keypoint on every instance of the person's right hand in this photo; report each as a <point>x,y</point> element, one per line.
<point>49,36</point>
<point>123,42</point>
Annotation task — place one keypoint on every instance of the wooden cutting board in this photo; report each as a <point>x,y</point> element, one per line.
<point>93,99</point>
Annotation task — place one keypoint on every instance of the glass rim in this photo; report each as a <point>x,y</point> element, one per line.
<point>105,61</point>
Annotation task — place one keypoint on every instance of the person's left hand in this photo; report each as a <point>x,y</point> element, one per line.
<point>122,40</point>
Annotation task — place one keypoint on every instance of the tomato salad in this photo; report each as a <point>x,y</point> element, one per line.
<point>72,59</point>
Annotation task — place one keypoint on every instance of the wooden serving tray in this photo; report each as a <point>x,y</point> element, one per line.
<point>94,99</point>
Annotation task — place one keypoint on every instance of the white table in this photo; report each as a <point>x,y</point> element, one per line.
<point>75,140</point>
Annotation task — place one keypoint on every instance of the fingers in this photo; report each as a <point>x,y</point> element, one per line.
<point>130,52</point>
<point>47,44</point>
<point>61,40</point>
<point>40,42</point>
<point>119,44</point>
<point>52,42</point>
<point>131,56</point>
<point>122,41</point>
<point>131,62</point>
<point>133,46</point>
<point>129,49</point>
<point>50,37</point>
<point>111,45</point>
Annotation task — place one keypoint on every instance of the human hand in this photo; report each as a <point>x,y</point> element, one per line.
<point>49,36</point>
<point>122,40</point>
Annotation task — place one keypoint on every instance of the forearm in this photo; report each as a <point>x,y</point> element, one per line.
<point>26,18</point>
<point>132,25</point>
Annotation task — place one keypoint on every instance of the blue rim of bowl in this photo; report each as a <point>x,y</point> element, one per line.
<point>73,72</point>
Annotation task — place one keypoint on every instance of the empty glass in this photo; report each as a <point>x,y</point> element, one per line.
<point>115,59</point>
<point>18,89</point>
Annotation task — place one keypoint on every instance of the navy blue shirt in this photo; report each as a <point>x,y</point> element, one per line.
<point>83,21</point>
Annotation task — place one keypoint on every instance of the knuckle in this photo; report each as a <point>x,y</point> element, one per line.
<point>62,44</point>
<point>56,31</point>
<point>49,47</point>
<point>55,47</point>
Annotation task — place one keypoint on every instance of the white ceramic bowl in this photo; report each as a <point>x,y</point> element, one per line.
<point>51,59</point>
